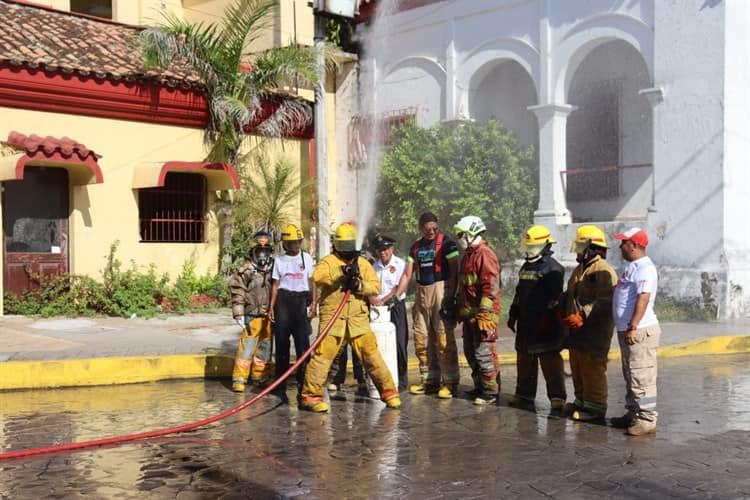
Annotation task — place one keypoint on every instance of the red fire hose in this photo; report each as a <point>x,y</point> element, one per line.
<point>192,425</point>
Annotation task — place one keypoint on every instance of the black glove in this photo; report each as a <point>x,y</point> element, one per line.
<point>448,309</point>
<point>352,279</point>
<point>392,302</point>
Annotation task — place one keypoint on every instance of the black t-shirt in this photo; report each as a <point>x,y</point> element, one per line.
<point>430,258</point>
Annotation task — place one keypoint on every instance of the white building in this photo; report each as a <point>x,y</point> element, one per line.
<point>638,109</point>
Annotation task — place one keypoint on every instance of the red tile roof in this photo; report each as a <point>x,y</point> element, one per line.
<point>65,147</point>
<point>36,36</point>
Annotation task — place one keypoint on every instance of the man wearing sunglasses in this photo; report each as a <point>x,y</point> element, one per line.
<point>433,260</point>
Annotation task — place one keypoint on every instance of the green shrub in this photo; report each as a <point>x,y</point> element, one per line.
<point>192,292</point>
<point>455,170</point>
<point>670,309</point>
<point>121,292</point>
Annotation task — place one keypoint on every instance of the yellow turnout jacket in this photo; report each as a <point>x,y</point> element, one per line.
<point>329,278</point>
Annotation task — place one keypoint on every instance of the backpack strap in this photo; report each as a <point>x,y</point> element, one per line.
<point>438,254</point>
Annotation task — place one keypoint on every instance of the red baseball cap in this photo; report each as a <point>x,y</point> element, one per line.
<point>636,235</point>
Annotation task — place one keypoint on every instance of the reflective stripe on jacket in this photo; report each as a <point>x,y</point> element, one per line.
<point>540,285</point>
<point>479,274</point>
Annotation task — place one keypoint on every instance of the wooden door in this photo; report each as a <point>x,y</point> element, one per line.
<point>35,227</point>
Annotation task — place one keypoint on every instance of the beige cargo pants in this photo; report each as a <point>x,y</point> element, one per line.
<point>639,370</point>
<point>434,340</point>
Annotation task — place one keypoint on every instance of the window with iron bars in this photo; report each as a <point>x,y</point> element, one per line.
<point>361,131</point>
<point>174,213</point>
<point>593,149</point>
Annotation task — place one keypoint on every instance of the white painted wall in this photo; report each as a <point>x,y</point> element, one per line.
<point>736,155</point>
<point>691,58</point>
<point>688,130</point>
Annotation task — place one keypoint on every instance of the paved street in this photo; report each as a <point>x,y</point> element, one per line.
<point>429,449</point>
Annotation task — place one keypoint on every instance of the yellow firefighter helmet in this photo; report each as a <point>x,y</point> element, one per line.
<point>588,235</point>
<point>345,238</point>
<point>535,239</point>
<point>292,233</point>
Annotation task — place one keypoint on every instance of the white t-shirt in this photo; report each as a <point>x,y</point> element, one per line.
<point>390,275</point>
<point>290,272</point>
<point>638,277</point>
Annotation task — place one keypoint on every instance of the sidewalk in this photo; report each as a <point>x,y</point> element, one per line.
<point>62,352</point>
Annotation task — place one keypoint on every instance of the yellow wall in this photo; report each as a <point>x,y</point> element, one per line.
<point>125,144</point>
<point>103,213</point>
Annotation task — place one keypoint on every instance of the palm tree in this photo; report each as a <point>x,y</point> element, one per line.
<point>237,83</point>
<point>265,200</point>
<point>237,80</point>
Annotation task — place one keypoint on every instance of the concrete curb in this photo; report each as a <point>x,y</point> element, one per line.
<point>19,375</point>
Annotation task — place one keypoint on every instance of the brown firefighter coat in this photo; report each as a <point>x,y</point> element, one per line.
<point>251,290</point>
<point>590,290</point>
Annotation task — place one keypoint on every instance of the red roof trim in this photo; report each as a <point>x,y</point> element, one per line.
<point>58,92</point>
<point>65,151</point>
<point>197,167</point>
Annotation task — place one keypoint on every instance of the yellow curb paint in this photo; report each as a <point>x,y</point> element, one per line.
<point>109,371</point>
<point>129,370</point>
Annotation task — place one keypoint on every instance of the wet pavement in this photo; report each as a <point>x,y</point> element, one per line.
<point>428,449</point>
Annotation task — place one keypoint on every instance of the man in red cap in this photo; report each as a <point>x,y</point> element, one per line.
<point>638,333</point>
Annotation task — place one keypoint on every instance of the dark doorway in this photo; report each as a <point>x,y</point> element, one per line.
<point>35,227</point>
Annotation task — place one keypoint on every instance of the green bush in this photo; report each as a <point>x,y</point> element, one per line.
<point>121,292</point>
<point>455,170</point>
<point>669,309</point>
<point>192,292</point>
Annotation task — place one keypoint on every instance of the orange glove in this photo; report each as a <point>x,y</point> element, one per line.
<point>484,321</point>
<point>574,321</point>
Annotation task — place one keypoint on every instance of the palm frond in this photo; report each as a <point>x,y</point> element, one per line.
<point>285,66</point>
<point>268,192</point>
<point>292,114</point>
<point>243,23</point>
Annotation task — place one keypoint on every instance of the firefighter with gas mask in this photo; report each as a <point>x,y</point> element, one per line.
<point>587,317</point>
<point>250,288</point>
<point>341,271</point>
<point>479,307</point>
<point>533,318</point>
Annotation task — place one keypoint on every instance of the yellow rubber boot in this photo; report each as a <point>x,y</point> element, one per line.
<point>447,391</point>
<point>238,387</point>
<point>394,402</point>
<point>422,389</point>
<point>319,407</point>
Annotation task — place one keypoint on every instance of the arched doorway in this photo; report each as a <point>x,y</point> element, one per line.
<point>503,92</point>
<point>609,147</point>
<point>35,227</point>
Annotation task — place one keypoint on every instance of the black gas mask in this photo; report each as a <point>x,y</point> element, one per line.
<point>261,256</point>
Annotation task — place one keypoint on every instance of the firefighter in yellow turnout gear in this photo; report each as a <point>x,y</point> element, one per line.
<point>336,273</point>
<point>250,287</point>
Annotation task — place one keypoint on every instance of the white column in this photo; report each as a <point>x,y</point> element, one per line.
<point>655,96</point>
<point>552,119</point>
<point>450,76</point>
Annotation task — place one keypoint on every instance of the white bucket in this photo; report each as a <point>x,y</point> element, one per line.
<point>385,333</point>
